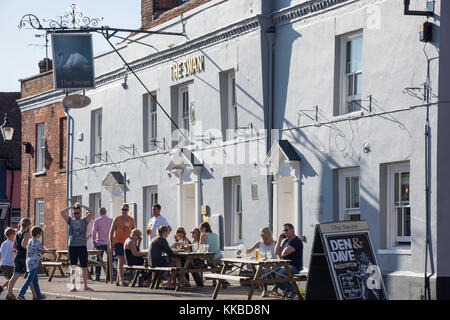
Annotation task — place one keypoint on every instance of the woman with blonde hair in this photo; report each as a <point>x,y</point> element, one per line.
<point>181,241</point>
<point>266,244</point>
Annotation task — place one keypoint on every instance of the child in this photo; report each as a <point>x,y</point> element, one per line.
<point>7,256</point>
<point>34,249</point>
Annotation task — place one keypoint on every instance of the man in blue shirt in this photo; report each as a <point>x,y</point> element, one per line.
<point>289,247</point>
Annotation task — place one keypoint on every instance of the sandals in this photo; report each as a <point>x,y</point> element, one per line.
<point>264,294</point>
<point>11,297</point>
<point>186,285</point>
<point>275,293</point>
<point>122,284</point>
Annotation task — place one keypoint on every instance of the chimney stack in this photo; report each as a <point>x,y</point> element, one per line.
<point>45,65</point>
<point>151,9</point>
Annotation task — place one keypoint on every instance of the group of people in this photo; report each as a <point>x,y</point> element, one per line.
<point>288,247</point>
<point>20,253</point>
<point>125,240</point>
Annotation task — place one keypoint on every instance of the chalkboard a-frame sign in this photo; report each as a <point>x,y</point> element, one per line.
<point>343,264</point>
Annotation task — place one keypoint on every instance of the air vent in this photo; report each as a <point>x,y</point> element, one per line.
<point>254,191</point>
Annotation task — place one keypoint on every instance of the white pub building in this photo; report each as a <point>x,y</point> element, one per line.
<point>294,111</point>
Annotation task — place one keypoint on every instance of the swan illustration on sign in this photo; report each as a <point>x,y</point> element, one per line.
<point>73,56</point>
<point>76,61</point>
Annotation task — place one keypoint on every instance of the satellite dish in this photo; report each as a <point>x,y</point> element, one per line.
<point>76,101</point>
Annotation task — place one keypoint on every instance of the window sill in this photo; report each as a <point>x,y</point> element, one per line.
<point>396,250</point>
<point>40,173</point>
<point>350,115</point>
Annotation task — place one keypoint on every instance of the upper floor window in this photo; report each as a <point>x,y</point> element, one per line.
<point>40,147</point>
<point>349,194</point>
<point>232,104</point>
<point>399,206</point>
<point>184,110</point>
<point>150,123</point>
<point>351,72</point>
<point>96,139</point>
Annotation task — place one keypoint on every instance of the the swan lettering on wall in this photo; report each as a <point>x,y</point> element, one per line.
<point>74,68</point>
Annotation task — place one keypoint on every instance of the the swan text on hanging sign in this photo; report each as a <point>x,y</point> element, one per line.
<point>187,67</point>
<point>73,61</point>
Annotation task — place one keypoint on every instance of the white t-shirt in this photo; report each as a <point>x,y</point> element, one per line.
<point>154,224</point>
<point>7,253</point>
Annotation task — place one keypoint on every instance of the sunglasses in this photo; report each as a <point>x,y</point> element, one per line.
<point>285,230</point>
<point>123,209</point>
<point>180,232</point>
<point>77,213</point>
<point>193,232</point>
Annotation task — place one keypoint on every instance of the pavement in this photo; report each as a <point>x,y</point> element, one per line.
<point>58,289</point>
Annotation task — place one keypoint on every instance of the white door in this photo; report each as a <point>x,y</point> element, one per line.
<point>188,207</point>
<point>286,211</point>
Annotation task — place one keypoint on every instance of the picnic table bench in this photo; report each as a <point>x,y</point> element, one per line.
<point>61,261</point>
<point>256,278</point>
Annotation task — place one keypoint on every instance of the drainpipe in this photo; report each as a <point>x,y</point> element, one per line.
<point>271,37</point>
<point>68,158</point>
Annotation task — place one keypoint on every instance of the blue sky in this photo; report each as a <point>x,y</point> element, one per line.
<point>20,60</point>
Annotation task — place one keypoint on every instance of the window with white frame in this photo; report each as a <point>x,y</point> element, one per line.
<point>97,136</point>
<point>184,109</point>
<point>40,148</point>
<point>152,123</point>
<point>399,218</point>
<point>349,194</point>
<point>39,215</point>
<point>232,103</point>
<point>150,198</point>
<point>237,210</point>
<point>351,72</point>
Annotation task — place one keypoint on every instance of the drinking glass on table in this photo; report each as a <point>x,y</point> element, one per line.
<point>206,247</point>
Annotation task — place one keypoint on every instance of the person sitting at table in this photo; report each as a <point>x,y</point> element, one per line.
<point>266,244</point>
<point>195,233</point>
<point>212,240</point>
<point>289,247</point>
<point>181,241</point>
<point>159,247</point>
<point>133,256</point>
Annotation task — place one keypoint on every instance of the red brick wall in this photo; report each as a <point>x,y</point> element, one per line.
<point>148,7</point>
<point>40,83</point>
<point>50,186</point>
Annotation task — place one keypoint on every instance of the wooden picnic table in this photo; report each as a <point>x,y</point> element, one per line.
<point>256,278</point>
<point>194,263</point>
<point>62,260</point>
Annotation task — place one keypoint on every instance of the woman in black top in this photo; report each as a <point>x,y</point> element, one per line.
<point>133,256</point>
<point>159,247</point>
<point>20,244</point>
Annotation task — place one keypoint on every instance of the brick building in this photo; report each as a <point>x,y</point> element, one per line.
<point>10,164</point>
<point>44,163</point>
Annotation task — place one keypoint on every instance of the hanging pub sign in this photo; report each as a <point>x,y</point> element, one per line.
<point>73,61</point>
<point>343,264</point>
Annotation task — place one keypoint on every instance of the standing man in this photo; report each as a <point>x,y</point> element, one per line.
<point>120,230</point>
<point>289,247</point>
<point>100,233</point>
<point>155,222</point>
<point>77,240</point>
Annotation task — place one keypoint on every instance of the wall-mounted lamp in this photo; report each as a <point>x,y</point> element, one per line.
<point>7,129</point>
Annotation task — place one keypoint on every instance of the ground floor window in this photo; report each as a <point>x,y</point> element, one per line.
<point>399,207</point>
<point>39,215</point>
<point>349,194</point>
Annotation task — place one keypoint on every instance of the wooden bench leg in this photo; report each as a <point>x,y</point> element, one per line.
<point>154,279</point>
<point>52,274</point>
<point>217,289</point>
<point>136,275</point>
<point>159,278</point>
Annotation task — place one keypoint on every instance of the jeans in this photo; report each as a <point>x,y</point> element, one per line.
<point>102,247</point>
<point>32,278</point>
<point>285,286</point>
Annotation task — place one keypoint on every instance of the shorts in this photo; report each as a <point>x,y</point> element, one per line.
<point>78,253</point>
<point>20,265</point>
<point>118,249</point>
<point>8,271</point>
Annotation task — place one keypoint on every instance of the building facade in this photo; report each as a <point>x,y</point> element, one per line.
<point>10,164</point>
<point>290,111</point>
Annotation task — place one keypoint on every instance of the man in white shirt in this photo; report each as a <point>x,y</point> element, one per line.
<point>156,221</point>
